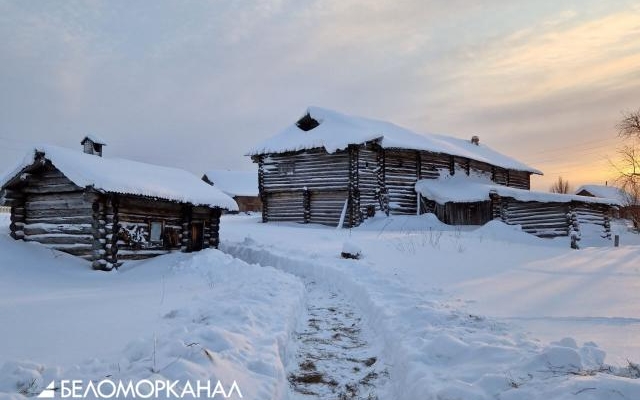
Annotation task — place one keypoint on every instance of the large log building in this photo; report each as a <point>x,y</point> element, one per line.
<point>330,168</point>
<point>110,210</point>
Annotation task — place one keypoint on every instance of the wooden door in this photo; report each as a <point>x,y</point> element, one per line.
<point>197,236</point>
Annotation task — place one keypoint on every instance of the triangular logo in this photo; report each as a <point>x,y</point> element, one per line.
<point>49,392</point>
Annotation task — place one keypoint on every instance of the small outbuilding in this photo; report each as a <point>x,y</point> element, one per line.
<point>110,210</point>
<point>476,200</point>
<point>242,186</point>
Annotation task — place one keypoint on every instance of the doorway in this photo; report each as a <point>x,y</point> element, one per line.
<point>197,236</point>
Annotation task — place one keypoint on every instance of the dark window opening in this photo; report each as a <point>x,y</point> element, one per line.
<point>307,123</point>
<point>287,168</point>
<point>155,231</point>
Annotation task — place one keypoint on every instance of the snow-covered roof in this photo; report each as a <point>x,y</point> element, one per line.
<point>127,177</point>
<point>95,139</point>
<point>465,189</point>
<point>336,131</point>
<point>610,192</point>
<point>234,183</point>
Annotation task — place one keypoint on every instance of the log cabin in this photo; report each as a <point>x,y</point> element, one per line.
<point>335,169</point>
<point>110,210</point>
<point>242,186</point>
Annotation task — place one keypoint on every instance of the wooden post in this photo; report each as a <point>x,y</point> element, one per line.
<point>452,166</point>
<point>496,206</point>
<point>187,214</point>
<point>306,205</point>
<point>263,194</point>
<point>616,240</point>
<point>607,224</point>
<point>112,227</point>
<point>354,211</point>
<point>214,239</point>
<point>99,233</point>
<point>382,193</point>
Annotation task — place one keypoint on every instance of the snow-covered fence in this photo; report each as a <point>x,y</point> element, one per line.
<point>5,209</point>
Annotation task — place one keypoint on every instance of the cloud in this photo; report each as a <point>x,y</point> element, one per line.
<point>196,84</point>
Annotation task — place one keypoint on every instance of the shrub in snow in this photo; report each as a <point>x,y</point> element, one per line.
<point>350,250</point>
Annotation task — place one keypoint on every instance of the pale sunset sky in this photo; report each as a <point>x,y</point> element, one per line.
<point>195,84</point>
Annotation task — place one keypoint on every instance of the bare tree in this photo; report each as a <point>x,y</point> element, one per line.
<point>629,126</point>
<point>560,186</point>
<point>628,166</point>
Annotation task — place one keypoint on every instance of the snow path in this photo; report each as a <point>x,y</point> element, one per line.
<point>336,354</point>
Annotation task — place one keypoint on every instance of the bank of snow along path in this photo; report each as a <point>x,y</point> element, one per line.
<point>425,343</point>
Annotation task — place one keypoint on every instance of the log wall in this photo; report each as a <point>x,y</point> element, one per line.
<point>551,219</point>
<point>52,211</point>
<point>540,219</point>
<point>368,181</point>
<point>464,213</point>
<point>308,186</point>
<point>401,175</point>
<point>135,215</point>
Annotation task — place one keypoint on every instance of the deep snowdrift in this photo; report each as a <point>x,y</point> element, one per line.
<point>178,317</point>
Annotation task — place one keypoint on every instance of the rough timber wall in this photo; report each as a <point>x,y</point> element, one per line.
<point>306,186</point>
<point>519,179</point>
<point>135,216</point>
<point>368,179</point>
<point>52,211</point>
<point>540,219</point>
<point>400,173</point>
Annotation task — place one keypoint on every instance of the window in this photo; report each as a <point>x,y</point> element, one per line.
<point>155,231</point>
<point>286,168</point>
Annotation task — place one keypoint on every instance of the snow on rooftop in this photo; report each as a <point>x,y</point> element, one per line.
<point>234,183</point>
<point>128,177</point>
<point>469,189</point>
<point>610,192</point>
<point>336,131</point>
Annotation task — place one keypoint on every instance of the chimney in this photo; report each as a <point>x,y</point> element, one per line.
<point>92,145</point>
<point>475,140</point>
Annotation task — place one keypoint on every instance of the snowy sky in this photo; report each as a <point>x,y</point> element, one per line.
<point>194,84</point>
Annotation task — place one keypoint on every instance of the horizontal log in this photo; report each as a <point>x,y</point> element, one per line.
<point>79,205</point>
<point>57,213</point>
<point>66,196</point>
<point>43,228</point>
<point>52,189</point>
<point>81,219</point>
<point>73,249</point>
<point>60,238</point>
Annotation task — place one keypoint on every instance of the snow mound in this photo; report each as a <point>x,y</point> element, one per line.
<point>201,316</point>
<point>498,230</point>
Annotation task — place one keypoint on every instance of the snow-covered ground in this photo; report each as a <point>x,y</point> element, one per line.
<point>453,305</point>
<point>429,311</point>
<point>178,317</point>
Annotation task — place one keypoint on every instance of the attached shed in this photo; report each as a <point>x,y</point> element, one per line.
<point>476,201</point>
<point>328,162</point>
<point>242,186</point>
<point>110,210</point>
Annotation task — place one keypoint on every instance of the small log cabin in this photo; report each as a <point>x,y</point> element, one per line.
<point>331,168</point>
<point>242,186</point>
<point>110,210</point>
